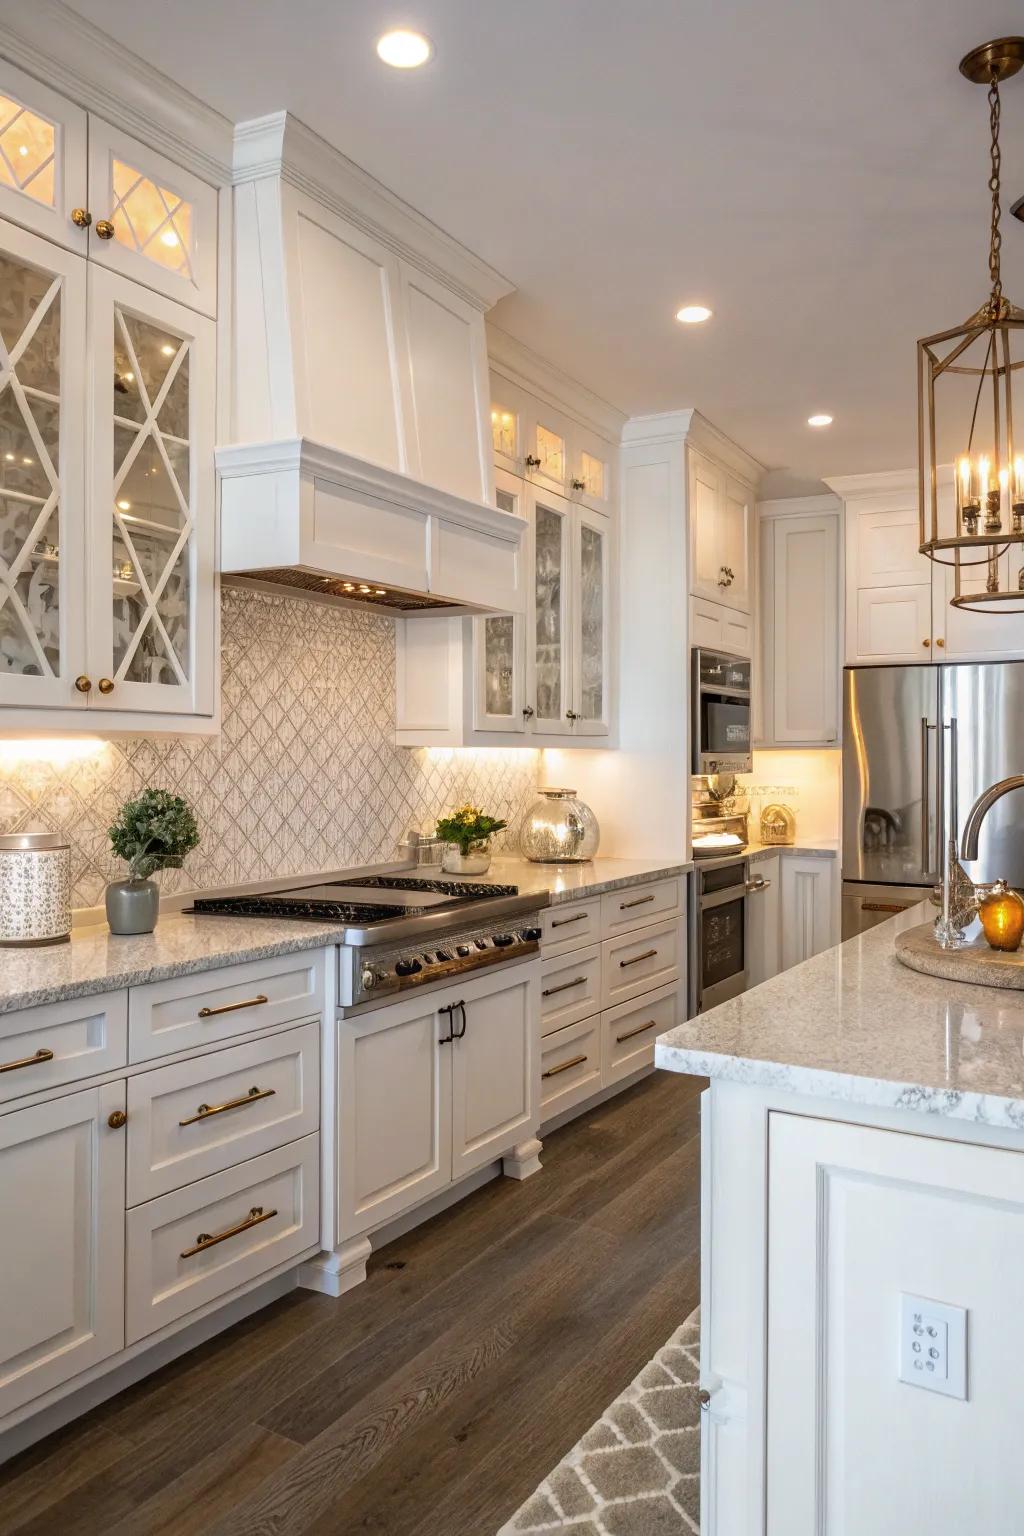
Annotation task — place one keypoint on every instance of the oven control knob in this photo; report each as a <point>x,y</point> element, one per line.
<point>530,935</point>
<point>444,955</point>
<point>462,950</point>
<point>368,980</point>
<point>503,940</point>
<point>407,967</point>
<point>481,943</point>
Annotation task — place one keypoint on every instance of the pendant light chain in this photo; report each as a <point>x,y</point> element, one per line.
<point>994,187</point>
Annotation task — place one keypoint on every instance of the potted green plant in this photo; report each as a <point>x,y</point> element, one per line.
<point>467,835</point>
<point>152,832</point>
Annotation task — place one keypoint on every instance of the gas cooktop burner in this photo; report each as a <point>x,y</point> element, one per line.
<point>343,901</point>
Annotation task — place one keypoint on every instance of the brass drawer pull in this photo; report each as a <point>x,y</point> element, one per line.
<point>566,986</point>
<point>641,1029</point>
<point>206,1110</point>
<point>648,954</point>
<point>640,901</point>
<point>561,922</point>
<point>27,1061</point>
<point>249,1002</point>
<point>563,1066</point>
<point>206,1240</point>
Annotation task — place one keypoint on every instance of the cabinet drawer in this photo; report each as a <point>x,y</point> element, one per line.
<point>628,1033</point>
<point>187,1012</point>
<point>640,962</point>
<point>570,988</point>
<point>62,1043</point>
<point>570,925</point>
<point>570,1067</point>
<point>640,904</point>
<point>195,1245</point>
<point>198,1117</point>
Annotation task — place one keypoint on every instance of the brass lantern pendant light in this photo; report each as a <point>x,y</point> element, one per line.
<point>965,384</point>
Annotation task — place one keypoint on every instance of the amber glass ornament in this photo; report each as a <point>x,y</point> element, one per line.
<point>1002,917</point>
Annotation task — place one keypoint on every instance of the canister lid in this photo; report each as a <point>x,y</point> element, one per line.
<point>31,842</point>
<point>555,794</point>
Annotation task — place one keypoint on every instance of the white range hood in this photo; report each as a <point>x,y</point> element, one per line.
<point>360,469</point>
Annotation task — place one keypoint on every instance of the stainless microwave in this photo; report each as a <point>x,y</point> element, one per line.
<point>720,704</point>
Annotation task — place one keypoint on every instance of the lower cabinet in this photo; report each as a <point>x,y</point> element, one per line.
<point>764,922</point>
<point>809,920</point>
<point>431,1088</point>
<point>62,1193</point>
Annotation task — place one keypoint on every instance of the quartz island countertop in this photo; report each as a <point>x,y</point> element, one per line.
<point>96,960</point>
<point>854,1024</point>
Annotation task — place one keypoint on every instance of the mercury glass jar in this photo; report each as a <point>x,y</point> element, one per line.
<point>559,829</point>
<point>35,889</point>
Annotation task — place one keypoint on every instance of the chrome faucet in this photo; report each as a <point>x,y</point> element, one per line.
<point>980,809</point>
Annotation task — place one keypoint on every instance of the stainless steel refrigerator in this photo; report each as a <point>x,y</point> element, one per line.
<point>908,731</point>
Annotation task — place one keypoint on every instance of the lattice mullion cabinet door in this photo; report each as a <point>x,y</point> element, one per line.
<point>42,159</point>
<point>153,222</point>
<point>591,591</point>
<point>42,472</point>
<point>152,502</point>
<point>548,618</point>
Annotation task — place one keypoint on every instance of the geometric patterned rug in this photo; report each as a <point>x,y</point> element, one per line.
<point>637,1471</point>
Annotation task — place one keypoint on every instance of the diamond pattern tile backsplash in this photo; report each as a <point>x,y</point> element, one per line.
<point>305,775</point>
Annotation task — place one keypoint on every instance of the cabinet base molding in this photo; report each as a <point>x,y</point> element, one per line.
<point>523,1160</point>
<point>332,1274</point>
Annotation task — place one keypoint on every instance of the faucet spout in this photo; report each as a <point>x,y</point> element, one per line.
<point>980,809</point>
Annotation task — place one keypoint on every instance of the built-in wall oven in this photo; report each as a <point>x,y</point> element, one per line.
<point>718,931</point>
<point>720,705</point>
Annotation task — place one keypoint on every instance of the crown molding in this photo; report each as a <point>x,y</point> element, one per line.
<point>883,482</point>
<point>71,55</point>
<point>690,427</point>
<point>800,506</point>
<point>278,146</point>
<point>515,361</point>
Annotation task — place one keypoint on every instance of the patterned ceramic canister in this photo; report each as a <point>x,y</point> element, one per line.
<point>35,889</point>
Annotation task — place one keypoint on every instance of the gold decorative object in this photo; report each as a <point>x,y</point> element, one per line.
<point>1002,917</point>
<point>965,406</point>
<point>778,826</point>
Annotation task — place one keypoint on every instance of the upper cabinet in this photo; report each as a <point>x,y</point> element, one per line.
<point>799,628</point>
<point>721,533</point>
<point>897,600</point>
<point>73,178</point>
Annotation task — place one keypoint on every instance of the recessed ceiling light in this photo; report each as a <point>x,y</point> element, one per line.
<point>822,419</point>
<point>693,314</point>
<point>403,49</point>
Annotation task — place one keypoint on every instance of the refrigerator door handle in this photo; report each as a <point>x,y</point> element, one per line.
<point>926,831</point>
<point>954,766</point>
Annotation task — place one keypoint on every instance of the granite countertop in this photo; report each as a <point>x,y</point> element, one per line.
<point>755,852</point>
<point>98,961</point>
<point>854,1024</point>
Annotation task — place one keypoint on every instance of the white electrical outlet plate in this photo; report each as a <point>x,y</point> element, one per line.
<point>933,1345</point>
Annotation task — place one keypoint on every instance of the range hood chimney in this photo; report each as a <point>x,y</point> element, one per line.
<point>360,469</point>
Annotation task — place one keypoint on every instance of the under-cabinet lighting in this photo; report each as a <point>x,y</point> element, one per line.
<point>693,314</point>
<point>403,49</point>
<point>56,752</point>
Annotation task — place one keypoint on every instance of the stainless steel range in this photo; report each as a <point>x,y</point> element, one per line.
<point>400,932</point>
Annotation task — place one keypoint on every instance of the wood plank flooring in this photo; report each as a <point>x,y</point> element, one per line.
<point>431,1400</point>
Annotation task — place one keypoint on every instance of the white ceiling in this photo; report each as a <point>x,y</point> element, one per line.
<point>814,170</point>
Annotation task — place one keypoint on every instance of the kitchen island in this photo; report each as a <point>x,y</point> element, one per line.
<point>861,1178</point>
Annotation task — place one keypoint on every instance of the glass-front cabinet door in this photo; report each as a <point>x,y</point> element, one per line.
<point>499,644</point>
<point>549,672</point>
<point>591,624</point>
<point>42,160</point>
<point>42,411</point>
<point>152,507</point>
<point>151,220</point>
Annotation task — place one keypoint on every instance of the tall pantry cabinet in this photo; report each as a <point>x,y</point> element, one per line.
<point>108,299</point>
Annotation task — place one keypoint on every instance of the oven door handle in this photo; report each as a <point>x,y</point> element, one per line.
<point>723,898</point>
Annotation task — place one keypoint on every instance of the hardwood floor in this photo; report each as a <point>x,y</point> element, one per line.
<point>433,1399</point>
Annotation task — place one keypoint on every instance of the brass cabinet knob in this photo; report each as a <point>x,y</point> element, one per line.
<point>83,683</point>
<point>927,644</point>
<point>117,1119</point>
<point>941,644</point>
<point>104,229</point>
<point>704,1397</point>
<point>578,485</point>
<point>528,711</point>
<point>106,685</point>
<point>81,218</point>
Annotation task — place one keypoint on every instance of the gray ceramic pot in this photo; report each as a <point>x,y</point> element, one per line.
<point>133,906</point>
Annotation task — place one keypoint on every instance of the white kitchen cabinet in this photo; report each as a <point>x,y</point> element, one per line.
<point>549,620</point>
<point>152,505</point>
<point>43,176</point>
<point>62,1192</point>
<point>430,1088</point>
<point>721,525</point>
<point>716,628</point>
<point>799,587</point>
<point>764,921</point>
<point>808,908</point>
